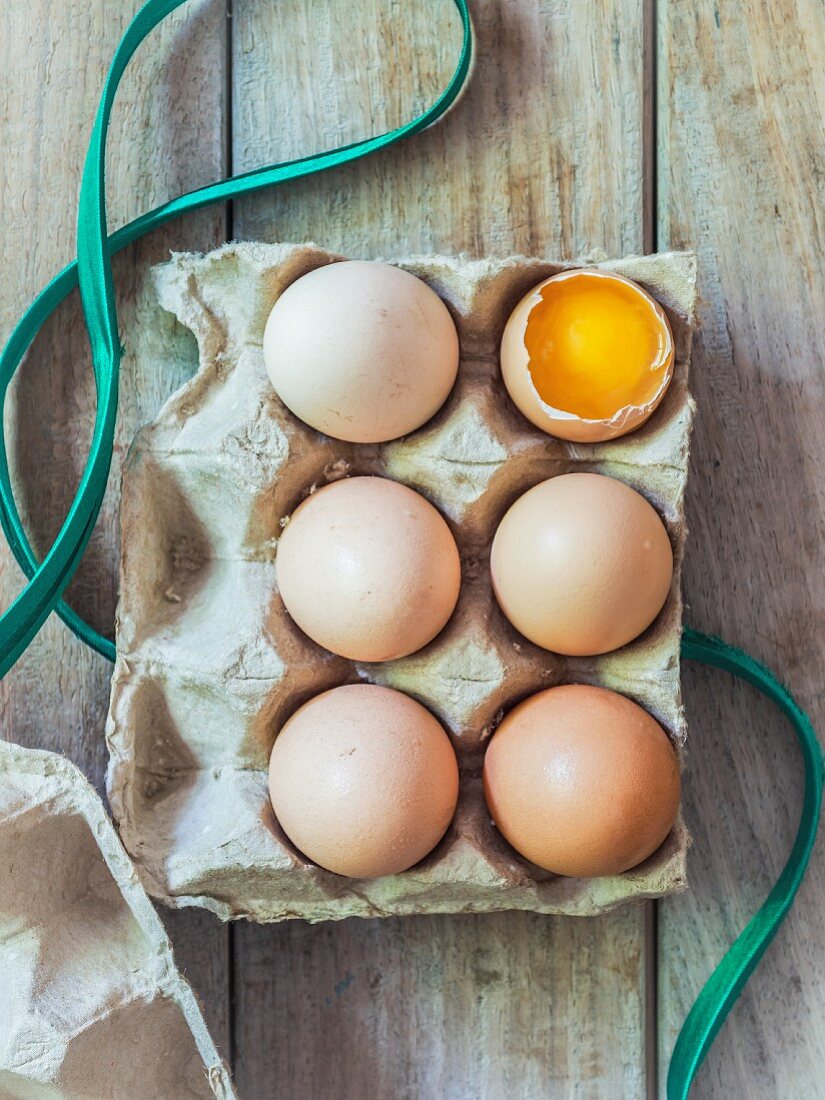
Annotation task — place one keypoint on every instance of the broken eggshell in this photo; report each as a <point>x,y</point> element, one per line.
<point>600,291</point>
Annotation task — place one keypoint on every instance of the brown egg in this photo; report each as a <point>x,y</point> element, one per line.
<point>581,564</point>
<point>363,780</point>
<point>368,569</point>
<point>587,355</point>
<point>362,351</point>
<point>582,781</point>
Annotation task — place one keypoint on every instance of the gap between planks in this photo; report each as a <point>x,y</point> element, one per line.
<point>650,223</point>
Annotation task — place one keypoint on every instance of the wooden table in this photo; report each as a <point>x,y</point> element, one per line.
<point>619,125</point>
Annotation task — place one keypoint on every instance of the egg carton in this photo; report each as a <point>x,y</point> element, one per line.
<point>92,1006</point>
<point>209,664</point>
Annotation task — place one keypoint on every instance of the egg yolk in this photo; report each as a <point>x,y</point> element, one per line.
<point>596,345</point>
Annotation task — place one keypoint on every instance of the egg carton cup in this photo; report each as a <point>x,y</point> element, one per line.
<point>91,1005</point>
<point>209,665</point>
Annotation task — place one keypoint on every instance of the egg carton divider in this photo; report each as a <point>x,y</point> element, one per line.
<point>209,664</point>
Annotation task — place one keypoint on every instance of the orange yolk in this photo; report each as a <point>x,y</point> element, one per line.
<point>596,345</point>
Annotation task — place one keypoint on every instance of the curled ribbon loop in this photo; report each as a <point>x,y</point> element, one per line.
<point>93,273</point>
<point>722,989</point>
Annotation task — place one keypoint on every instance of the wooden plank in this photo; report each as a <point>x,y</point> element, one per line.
<point>168,135</point>
<point>544,155</point>
<point>501,1005</point>
<point>742,176</point>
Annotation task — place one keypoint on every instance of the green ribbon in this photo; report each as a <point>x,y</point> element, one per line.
<point>92,272</point>
<point>723,987</point>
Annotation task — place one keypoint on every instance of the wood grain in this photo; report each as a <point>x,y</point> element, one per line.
<point>487,1006</point>
<point>168,135</point>
<point>742,176</point>
<point>544,156</point>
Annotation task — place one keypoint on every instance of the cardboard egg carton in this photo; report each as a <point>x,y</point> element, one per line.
<point>210,665</point>
<point>92,1006</point>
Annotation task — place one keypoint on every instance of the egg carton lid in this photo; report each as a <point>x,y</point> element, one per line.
<point>92,1005</point>
<point>209,665</point>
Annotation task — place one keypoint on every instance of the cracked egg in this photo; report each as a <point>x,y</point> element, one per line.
<point>587,355</point>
